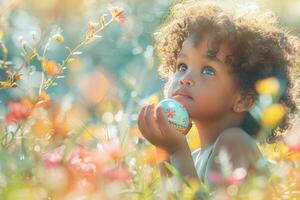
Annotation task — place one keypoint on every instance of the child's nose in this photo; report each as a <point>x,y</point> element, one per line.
<point>186,81</point>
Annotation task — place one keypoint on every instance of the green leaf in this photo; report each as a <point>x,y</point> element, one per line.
<point>53,84</point>
<point>175,172</point>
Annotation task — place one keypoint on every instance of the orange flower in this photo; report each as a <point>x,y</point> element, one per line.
<point>161,155</point>
<point>92,26</point>
<point>43,100</point>
<point>50,66</point>
<point>19,110</point>
<point>117,14</point>
<point>154,155</point>
<point>294,152</point>
<point>16,76</point>
<point>150,156</point>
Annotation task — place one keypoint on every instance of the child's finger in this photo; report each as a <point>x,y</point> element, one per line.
<point>163,121</point>
<point>151,123</point>
<point>153,134</point>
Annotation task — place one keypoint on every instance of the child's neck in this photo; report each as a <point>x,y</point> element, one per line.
<point>209,130</point>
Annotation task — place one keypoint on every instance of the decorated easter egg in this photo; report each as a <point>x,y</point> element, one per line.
<point>177,114</point>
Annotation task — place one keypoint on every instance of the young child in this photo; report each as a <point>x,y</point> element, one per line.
<point>212,57</point>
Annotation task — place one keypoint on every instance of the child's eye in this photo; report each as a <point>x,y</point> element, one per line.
<point>182,67</point>
<point>208,70</point>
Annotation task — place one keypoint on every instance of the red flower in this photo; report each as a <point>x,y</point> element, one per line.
<point>18,111</point>
<point>117,14</point>
<point>170,113</point>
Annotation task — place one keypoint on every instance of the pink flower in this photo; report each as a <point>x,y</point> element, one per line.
<point>234,178</point>
<point>18,111</point>
<point>53,158</point>
<point>112,149</point>
<point>115,173</point>
<point>170,113</point>
<point>80,162</point>
<point>117,14</point>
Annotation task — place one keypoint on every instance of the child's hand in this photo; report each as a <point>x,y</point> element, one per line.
<point>155,127</point>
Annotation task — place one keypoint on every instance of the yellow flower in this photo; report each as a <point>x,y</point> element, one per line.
<point>273,115</point>
<point>281,152</point>
<point>268,86</point>
<point>5,83</point>
<point>193,138</point>
<point>153,99</point>
<point>58,38</point>
<point>294,156</point>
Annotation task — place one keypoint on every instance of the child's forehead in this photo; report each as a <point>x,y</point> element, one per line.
<point>203,45</point>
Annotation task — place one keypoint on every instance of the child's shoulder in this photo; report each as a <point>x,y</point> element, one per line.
<point>238,143</point>
<point>240,149</point>
<point>234,135</point>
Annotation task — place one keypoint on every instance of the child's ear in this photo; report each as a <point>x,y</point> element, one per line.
<point>244,102</point>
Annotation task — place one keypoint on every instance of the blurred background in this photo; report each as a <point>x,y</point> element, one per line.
<point>101,90</point>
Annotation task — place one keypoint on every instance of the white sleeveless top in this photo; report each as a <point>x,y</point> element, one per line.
<point>200,160</point>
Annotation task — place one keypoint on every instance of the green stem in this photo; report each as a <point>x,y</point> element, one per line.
<point>52,79</point>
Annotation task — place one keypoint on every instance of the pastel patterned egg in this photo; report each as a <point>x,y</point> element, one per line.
<point>176,113</point>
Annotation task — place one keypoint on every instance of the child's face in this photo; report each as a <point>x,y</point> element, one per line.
<point>208,82</point>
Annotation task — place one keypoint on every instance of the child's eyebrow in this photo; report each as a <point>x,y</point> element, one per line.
<point>213,59</point>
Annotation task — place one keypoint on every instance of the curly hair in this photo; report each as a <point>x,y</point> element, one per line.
<point>261,49</point>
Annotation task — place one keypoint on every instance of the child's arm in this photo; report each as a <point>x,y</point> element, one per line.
<point>237,147</point>
<point>155,128</point>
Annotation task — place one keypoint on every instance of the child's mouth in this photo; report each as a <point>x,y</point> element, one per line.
<point>181,94</point>
<point>181,98</point>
